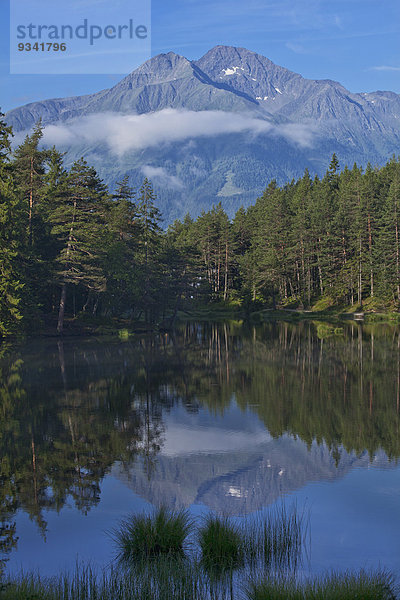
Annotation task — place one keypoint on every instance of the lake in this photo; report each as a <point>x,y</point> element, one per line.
<point>227,417</point>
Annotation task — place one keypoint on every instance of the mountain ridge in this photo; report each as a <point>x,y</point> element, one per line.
<point>239,483</point>
<point>358,127</point>
<point>161,68</point>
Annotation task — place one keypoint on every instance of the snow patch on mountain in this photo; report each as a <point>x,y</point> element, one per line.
<point>232,70</point>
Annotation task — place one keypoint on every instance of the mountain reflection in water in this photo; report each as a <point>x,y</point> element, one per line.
<point>224,415</point>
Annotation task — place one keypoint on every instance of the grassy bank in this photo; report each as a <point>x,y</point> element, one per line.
<point>323,310</point>
<point>346,586</point>
<point>179,581</point>
<point>85,324</point>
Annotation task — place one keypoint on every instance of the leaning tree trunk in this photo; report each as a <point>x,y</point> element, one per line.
<point>61,312</point>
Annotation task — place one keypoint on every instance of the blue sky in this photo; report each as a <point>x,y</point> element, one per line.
<point>356,42</point>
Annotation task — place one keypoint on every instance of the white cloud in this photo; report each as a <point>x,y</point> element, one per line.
<point>161,176</point>
<point>183,440</point>
<point>297,48</point>
<point>122,133</point>
<point>338,22</point>
<point>384,68</point>
<point>297,133</point>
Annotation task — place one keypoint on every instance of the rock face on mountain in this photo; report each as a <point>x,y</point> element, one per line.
<point>231,165</point>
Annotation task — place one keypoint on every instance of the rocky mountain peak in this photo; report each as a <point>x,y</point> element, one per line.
<point>244,71</point>
<point>159,69</point>
<point>233,158</point>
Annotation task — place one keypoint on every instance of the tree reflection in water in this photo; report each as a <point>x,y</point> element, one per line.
<point>70,410</point>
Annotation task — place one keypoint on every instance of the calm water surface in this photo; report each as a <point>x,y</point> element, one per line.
<point>227,417</point>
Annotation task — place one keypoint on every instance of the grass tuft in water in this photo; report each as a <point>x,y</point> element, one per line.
<point>278,540</point>
<point>142,537</point>
<point>344,586</point>
<point>221,544</point>
<point>283,534</point>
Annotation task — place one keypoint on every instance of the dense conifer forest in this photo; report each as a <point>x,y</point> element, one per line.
<point>70,248</point>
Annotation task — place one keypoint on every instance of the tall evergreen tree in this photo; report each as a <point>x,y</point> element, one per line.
<point>28,173</point>
<point>11,240</point>
<point>149,218</point>
<point>214,239</point>
<point>79,223</point>
<point>120,257</point>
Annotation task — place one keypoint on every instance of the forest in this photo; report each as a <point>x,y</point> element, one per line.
<point>72,249</point>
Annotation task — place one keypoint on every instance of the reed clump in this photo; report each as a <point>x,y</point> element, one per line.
<point>221,544</point>
<point>142,537</point>
<point>283,536</point>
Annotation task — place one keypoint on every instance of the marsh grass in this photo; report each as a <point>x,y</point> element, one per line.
<point>377,585</point>
<point>221,544</point>
<point>173,580</point>
<point>276,540</point>
<point>283,535</point>
<point>142,537</point>
<point>163,579</point>
<point>157,560</point>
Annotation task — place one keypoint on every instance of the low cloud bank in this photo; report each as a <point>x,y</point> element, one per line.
<point>161,176</point>
<point>122,133</point>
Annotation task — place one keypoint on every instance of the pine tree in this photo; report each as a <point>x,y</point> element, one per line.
<point>214,241</point>
<point>370,216</point>
<point>79,223</point>
<point>328,229</point>
<point>11,240</point>
<point>120,261</point>
<point>388,240</point>
<point>28,173</point>
<point>149,218</point>
<point>301,241</point>
<point>270,247</point>
<point>182,260</point>
<point>11,285</point>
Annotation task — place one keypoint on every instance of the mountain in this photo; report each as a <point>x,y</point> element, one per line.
<point>231,463</point>
<point>239,482</point>
<point>217,129</point>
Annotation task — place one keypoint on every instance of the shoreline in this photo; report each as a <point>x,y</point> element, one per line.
<point>77,327</point>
